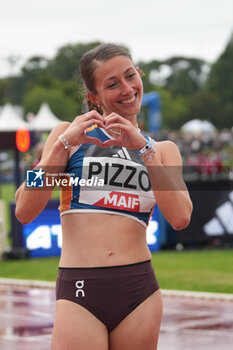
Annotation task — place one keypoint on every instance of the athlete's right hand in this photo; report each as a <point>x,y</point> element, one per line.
<point>75,134</point>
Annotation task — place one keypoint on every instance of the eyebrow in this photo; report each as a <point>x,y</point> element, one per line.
<point>114,77</point>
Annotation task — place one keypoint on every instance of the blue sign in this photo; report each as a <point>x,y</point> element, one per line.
<point>152,101</point>
<point>43,236</point>
<point>153,231</point>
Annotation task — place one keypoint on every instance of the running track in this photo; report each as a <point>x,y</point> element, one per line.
<point>191,321</point>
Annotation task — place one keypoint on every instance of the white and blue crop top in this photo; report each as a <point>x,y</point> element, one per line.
<point>111,180</point>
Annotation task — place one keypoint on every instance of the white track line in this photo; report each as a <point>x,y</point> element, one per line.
<point>27,283</point>
<point>165,292</point>
<point>199,295</point>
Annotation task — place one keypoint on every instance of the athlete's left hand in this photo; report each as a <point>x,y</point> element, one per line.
<point>130,136</point>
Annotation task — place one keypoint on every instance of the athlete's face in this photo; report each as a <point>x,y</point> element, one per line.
<point>119,87</point>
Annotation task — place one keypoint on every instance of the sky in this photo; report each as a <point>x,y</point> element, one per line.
<point>151,29</point>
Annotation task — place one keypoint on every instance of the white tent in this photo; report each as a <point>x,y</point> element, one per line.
<point>10,120</point>
<point>45,120</point>
<point>198,126</point>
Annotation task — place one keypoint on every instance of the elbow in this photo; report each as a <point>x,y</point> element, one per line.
<point>182,221</point>
<point>19,212</point>
<point>20,215</point>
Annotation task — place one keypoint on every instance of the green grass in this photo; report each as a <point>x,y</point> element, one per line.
<point>8,195</point>
<point>44,269</point>
<point>207,270</point>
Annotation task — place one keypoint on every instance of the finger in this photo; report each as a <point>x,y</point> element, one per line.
<point>90,115</point>
<point>115,142</point>
<point>93,140</point>
<point>92,121</point>
<point>114,118</point>
<point>94,114</point>
<point>118,126</point>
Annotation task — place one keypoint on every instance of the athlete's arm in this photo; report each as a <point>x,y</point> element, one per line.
<point>164,169</point>
<point>30,202</point>
<point>171,194</point>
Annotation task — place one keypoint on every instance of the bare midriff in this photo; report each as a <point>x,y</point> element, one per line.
<point>99,239</point>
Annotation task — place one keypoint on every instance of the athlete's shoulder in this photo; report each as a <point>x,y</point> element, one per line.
<point>169,152</point>
<point>60,128</point>
<point>167,145</point>
<point>57,130</point>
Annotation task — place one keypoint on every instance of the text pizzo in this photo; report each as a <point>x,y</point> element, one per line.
<point>119,175</point>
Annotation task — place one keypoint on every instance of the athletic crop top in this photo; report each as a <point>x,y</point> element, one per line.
<point>112,180</point>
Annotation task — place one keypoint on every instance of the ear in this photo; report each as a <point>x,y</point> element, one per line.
<point>140,72</point>
<point>90,96</point>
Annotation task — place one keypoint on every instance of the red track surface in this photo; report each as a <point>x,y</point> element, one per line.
<point>26,320</point>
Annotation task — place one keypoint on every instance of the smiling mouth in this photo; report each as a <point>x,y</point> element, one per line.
<point>129,100</point>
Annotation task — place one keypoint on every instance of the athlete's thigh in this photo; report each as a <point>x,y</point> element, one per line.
<point>140,329</point>
<point>76,328</point>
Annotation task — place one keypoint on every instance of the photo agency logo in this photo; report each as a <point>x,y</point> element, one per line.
<point>35,178</point>
<point>48,180</point>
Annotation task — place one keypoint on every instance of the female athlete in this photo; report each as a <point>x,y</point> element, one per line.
<point>108,297</point>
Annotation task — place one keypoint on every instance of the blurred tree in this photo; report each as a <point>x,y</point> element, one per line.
<point>205,105</point>
<point>42,71</point>
<point>66,62</point>
<point>180,75</point>
<point>220,83</point>
<point>175,109</point>
<point>187,75</point>
<point>225,119</point>
<point>220,79</point>
<point>62,106</point>
<point>182,83</point>
<point>31,72</point>
<point>36,63</point>
<point>5,85</point>
<point>70,88</point>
